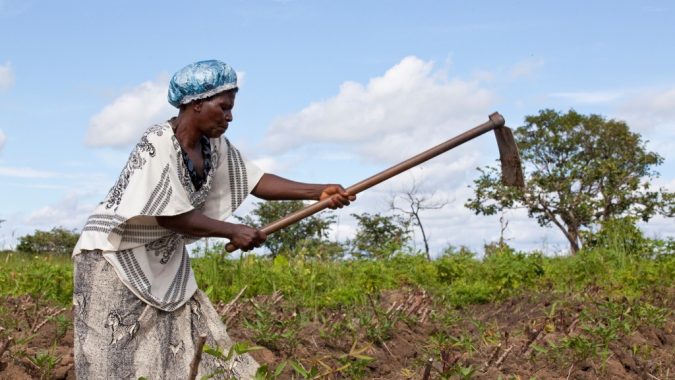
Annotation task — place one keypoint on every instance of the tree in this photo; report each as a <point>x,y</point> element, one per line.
<point>309,231</point>
<point>379,236</point>
<point>58,240</point>
<point>411,203</point>
<point>580,170</point>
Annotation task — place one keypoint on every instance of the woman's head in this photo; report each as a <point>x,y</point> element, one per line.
<point>205,93</point>
<point>201,80</point>
<point>212,116</point>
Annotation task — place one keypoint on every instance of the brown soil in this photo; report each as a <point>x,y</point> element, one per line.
<point>36,340</point>
<point>403,332</point>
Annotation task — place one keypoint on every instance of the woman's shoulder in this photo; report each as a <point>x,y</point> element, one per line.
<point>158,137</point>
<point>158,134</point>
<point>158,130</point>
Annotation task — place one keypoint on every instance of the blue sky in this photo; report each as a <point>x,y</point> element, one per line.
<point>332,91</point>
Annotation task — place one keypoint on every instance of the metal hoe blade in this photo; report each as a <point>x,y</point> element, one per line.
<point>512,169</point>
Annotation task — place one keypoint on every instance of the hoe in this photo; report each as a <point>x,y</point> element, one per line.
<point>512,171</point>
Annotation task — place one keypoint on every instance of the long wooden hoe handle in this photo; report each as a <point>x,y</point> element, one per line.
<point>496,121</point>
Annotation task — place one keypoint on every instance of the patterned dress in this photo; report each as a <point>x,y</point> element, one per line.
<point>138,311</point>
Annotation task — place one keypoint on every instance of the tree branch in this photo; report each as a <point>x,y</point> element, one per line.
<point>552,218</point>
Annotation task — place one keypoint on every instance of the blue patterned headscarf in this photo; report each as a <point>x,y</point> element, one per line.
<point>201,80</point>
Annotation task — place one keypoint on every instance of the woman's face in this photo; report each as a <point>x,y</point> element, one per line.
<point>215,114</point>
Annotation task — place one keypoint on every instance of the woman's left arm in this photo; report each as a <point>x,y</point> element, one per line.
<point>273,187</point>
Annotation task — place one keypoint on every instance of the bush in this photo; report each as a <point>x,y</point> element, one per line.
<point>619,235</point>
<point>454,265</point>
<point>511,271</point>
<point>379,236</point>
<point>59,240</point>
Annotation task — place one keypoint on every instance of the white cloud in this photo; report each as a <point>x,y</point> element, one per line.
<point>26,173</point>
<point>269,164</point>
<point>526,67</point>
<point>483,75</point>
<point>3,138</point>
<point>393,115</point>
<point>589,97</point>
<point>13,8</point>
<point>670,186</point>
<point>651,113</point>
<point>649,110</point>
<point>123,121</point>
<point>69,212</point>
<point>6,76</point>
<point>659,227</point>
<point>241,79</point>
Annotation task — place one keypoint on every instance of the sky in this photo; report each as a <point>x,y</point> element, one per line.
<point>330,92</point>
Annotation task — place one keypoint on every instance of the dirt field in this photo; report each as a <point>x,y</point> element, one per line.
<point>400,335</point>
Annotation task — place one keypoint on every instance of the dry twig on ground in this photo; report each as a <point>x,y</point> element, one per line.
<point>194,365</point>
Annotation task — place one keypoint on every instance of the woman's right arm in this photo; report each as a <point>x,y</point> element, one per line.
<point>194,223</point>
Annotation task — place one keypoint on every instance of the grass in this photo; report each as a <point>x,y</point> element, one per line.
<point>459,279</point>
<point>43,276</point>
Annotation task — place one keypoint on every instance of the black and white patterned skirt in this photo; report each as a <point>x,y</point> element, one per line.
<point>118,336</point>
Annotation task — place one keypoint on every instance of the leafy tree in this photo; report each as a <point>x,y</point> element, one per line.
<point>379,236</point>
<point>311,231</point>
<point>58,240</point>
<point>580,170</point>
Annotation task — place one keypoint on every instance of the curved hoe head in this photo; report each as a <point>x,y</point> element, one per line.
<point>512,169</point>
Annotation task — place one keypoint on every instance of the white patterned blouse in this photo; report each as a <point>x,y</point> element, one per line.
<point>150,260</point>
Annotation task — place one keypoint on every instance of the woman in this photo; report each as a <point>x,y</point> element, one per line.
<point>138,311</point>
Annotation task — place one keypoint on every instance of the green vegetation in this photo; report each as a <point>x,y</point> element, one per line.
<point>44,276</point>
<point>379,236</point>
<point>619,263</point>
<point>58,241</point>
<point>614,288</point>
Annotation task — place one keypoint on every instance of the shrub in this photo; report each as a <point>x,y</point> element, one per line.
<point>619,235</point>
<point>379,236</point>
<point>453,265</point>
<point>510,271</point>
<point>59,240</point>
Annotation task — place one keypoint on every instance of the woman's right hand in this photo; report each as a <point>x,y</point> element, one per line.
<point>246,238</point>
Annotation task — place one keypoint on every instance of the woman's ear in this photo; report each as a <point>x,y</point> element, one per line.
<point>197,105</point>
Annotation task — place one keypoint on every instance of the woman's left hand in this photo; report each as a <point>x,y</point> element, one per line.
<point>338,196</point>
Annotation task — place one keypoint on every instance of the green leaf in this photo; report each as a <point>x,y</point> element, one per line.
<point>214,351</point>
<point>280,368</point>
<point>299,368</point>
